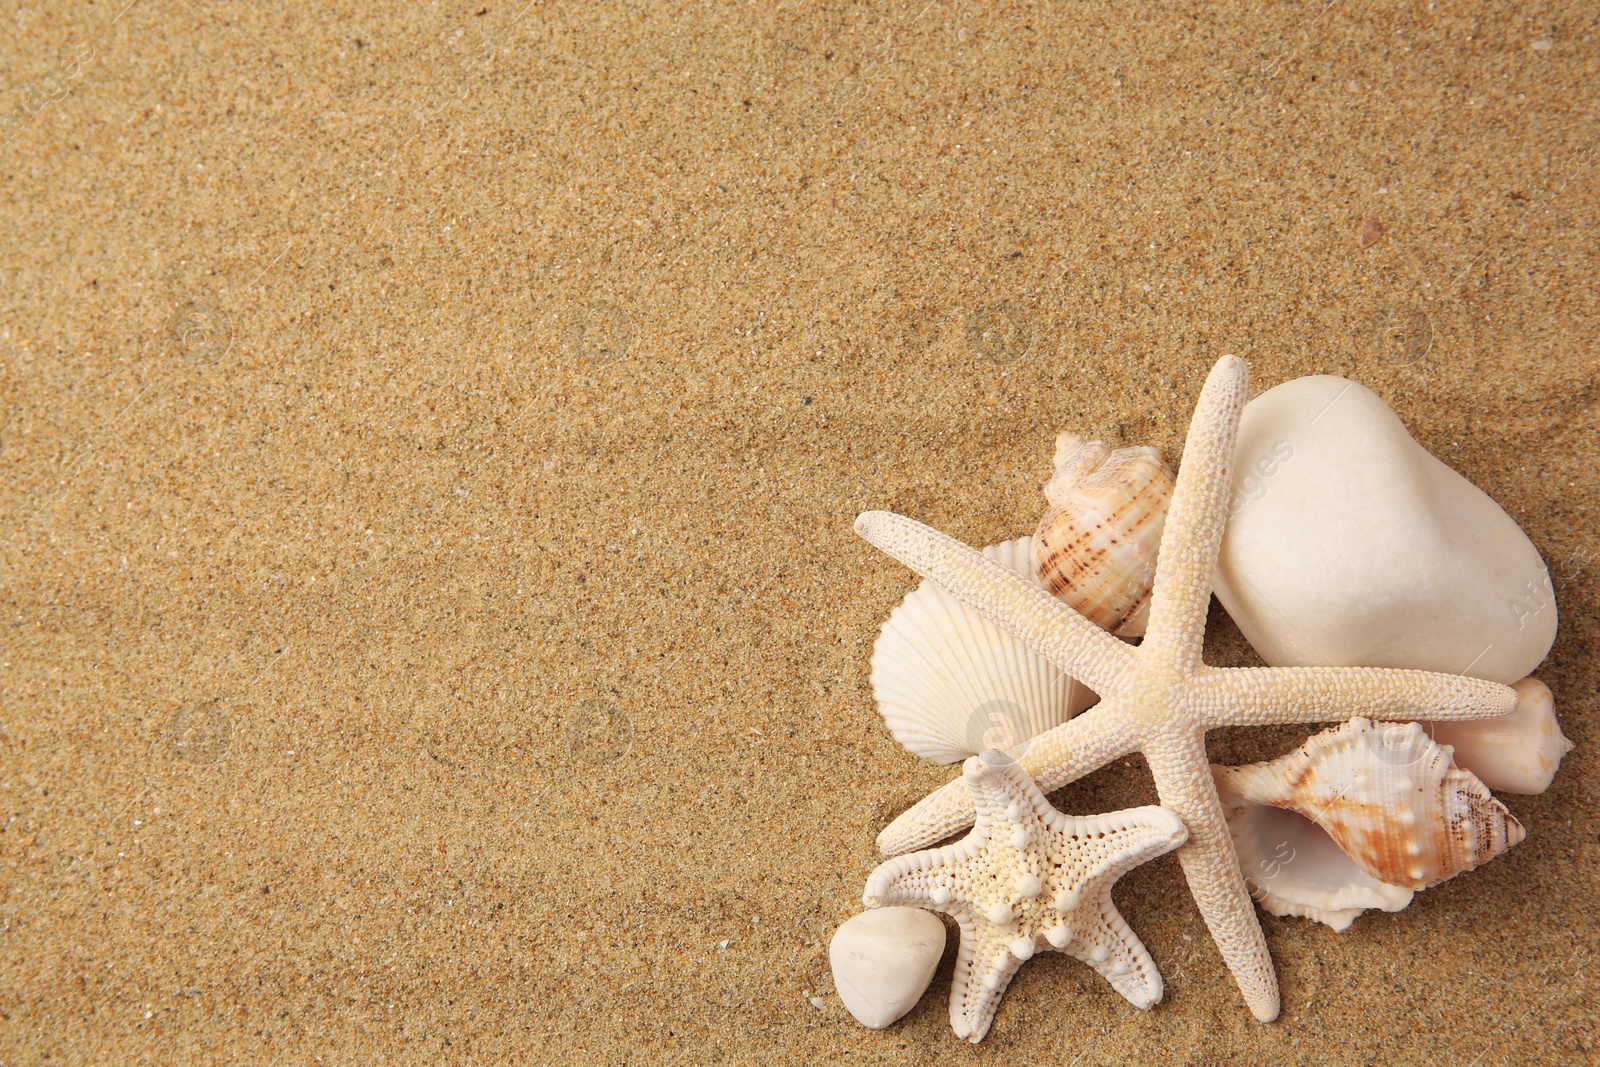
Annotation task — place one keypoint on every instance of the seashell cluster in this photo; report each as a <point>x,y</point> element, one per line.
<point>950,684</point>
<point>1344,546</point>
<point>1097,542</point>
<point>1359,817</point>
<point>1516,753</point>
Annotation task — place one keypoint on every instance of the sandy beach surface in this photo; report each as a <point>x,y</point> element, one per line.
<point>433,630</point>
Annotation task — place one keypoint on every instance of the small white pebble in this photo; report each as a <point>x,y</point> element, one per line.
<point>818,1003</point>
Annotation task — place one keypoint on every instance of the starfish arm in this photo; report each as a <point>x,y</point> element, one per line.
<point>1104,941</point>
<point>911,880</point>
<point>1132,836</point>
<point>984,966</point>
<point>1193,532</point>
<point>1060,755</point>
<point>1256,696</point>
<point>945,811</point>
<point>998,784</point>
<point>1184,783</point>
<point>1039,620</point>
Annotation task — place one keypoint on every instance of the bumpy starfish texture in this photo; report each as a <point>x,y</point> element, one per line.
<point>1160,698</point>
<point>1029,878</point>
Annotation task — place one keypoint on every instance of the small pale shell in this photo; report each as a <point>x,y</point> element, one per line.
<point>950,684</point>
<point>1389,796</point>
<point>1515,753</point>
<point>1097,542</point>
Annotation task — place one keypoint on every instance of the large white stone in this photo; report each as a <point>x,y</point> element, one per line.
<point>883,960</point>
<point>1348,544</point>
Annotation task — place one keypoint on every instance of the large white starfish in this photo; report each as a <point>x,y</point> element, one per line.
<point>1029,878</point>
<point>1160,698</point>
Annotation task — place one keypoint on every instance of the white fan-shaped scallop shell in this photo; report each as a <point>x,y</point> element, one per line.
<point>950,684</point>
<point>1385,795</point>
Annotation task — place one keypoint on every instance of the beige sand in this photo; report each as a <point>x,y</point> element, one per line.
<point>433,630</point>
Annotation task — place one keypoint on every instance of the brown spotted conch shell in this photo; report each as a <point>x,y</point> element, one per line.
<point>1096,544</point>
<point>1359,817</point>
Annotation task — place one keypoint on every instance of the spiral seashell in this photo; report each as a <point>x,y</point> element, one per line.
<point>1096,544</point>
<point>950,684</point>
<point>1515,753</point>
<point>1292,866</point>
<point>1388,795</point>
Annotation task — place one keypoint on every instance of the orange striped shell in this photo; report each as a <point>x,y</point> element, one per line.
<point>1097,542</point>
<point>1388,795</point>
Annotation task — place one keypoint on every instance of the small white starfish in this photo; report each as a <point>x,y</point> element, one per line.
<point>1160,698</point>
<point>1028,878</point>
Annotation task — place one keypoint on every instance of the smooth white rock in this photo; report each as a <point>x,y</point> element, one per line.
<point>1348,544</point>
<point>1516,753</point>
<point>883,960</point>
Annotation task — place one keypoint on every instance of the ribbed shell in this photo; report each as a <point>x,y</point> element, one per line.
<point>1097,542</point>
<point>1389,796</point>
<point>1292,867</point>
<point>951,684</point>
